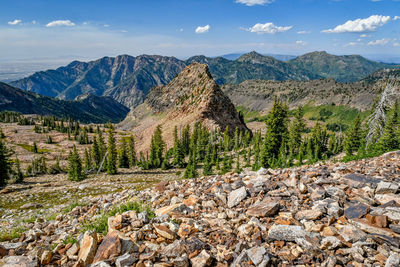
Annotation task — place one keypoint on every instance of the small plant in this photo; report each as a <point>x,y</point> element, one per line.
<point>11,234</point>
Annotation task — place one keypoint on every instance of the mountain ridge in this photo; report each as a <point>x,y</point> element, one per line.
<point>129,79</point>
<point>86,108</point>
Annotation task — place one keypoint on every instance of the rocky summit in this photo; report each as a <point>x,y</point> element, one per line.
<point>193,96</point>
<point>342,214</point>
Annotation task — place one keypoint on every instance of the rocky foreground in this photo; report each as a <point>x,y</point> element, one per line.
<point>321,215</point>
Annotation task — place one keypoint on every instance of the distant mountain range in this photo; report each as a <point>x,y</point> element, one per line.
<point>86,108</point>
<point>128,79</point>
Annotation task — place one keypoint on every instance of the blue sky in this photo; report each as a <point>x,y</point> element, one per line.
<point>182,28</point>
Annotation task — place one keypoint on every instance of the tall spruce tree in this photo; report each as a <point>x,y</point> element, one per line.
<point>390,139</point>
<point>123,159</point>
<point>353,138</point>
<point>112,151</point>
<point>131,151</point>
<point>157,148</point>
<point>178,151</point>
<point>276,133</point>
<point>75,172</point>
<point>95,151</point>
<point>296,128</point>
<point>5,164</point>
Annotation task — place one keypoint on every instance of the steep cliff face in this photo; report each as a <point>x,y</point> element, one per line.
<point>193,96</point>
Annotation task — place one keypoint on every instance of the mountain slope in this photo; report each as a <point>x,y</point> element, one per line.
<point>125,78</point>
<point>129,79</point>
<point>251,66</point>
<point>87,108</point>
<point>193,96</point>
<point>342,68</point>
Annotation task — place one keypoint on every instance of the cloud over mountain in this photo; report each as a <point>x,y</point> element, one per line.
<point>361,25</point>
<point>56,23</point>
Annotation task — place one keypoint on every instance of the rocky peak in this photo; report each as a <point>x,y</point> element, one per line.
<point>256,58</point>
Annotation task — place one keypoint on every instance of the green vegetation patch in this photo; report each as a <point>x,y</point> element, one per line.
<point>8,235</point>
<point>30,148</point>
<point>100,224</point>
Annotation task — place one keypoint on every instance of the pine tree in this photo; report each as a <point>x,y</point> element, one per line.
<point>87,161</point>
<point>178,153</point>
<point>157,148</point>
<point>236,139</point>
<point>353,138</point>
<point>237,168</point>
<point>226,139</point>
<point>112,151</point>
<point>95,151</point>
<point>276,123</point>
<point>248,158</point>
<point>123,160</point>
<point>319,138</point>
<point>207,168</point>
<point>101,144</point>
<point>75,166</point>
<point>35,148</point>
<point>296,128</point>
<point>185,142</point>
<point>131,151</point>
<point>19,177</point>
<point>390,140</point>
<point>5,164</point>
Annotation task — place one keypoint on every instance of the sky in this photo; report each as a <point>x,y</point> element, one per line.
<point>91,29</point>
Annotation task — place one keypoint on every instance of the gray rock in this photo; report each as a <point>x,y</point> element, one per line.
<point>100,264</point>
<point>393,260</point>
<point>256,254</point>
<point>125,260</point>
<point>20,261</point>
<point>31,206</point>
<point>236,196</point>
<point>286,232</point>
<point>330,242</point>
<point>201,260</point>
<point>386,188</point>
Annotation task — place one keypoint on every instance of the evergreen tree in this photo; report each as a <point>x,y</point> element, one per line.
<point>390,139</point>
<point>297,126</point>
<point>319,138</point>
<point>75,166</point>
<point>276,133</point>
<point>248,158</point>
<point>5,164</point>
<point>123,159</point>
<point>112,151</point>
<point>237,139</point>
<point>101,144</point>
<point>207,168</point>
<point>87,161</point>
<point>35,148</point>
<point>237,168</point>
<point>353,138</point>
<point>95,151</point>
<point>157,148</point>
<point>185,142</point>
<point>19,177</point>
<point>226,164</point>
<point>227,139</point>
<point>178,151</point>
<point>131,151</point>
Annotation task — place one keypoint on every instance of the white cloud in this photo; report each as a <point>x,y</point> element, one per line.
<point>269,28</point>
<point>383,41</point>
<point>301,42</point>
<point>396,45</point>
<point>254,2</point>
<point>34,22</point>
<point>15,22</point>
<point>56,23</point>
<point>361,25</point>
<point>303,32</point>
<point>396,17</point>
<point>352,44</point>
<point>364,36</point>
<point>203,29</point>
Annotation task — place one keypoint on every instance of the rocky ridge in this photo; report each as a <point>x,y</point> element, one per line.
<point>193,96</point>
<point>342,214</point>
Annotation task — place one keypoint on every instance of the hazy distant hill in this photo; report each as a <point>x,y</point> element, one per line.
<point>87,108</point>
<point>128,79</point>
